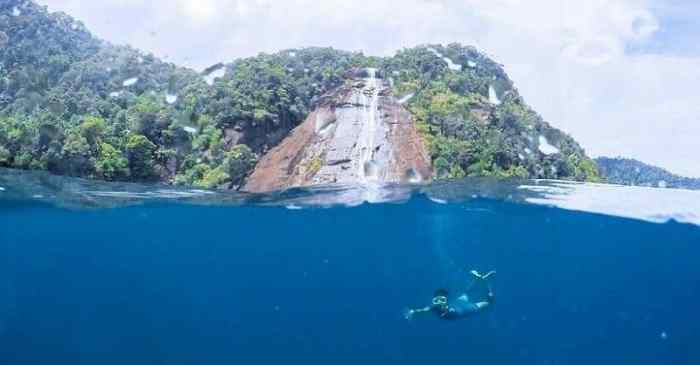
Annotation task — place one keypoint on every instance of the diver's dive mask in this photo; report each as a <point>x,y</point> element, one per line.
<point>440,300</point>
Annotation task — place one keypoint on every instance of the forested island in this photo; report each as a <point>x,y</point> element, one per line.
<point>75,105</point>
<point>626,171</point>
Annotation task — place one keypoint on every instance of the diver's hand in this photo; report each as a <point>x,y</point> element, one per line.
<point>408,314</point>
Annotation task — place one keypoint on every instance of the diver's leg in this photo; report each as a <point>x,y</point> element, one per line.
<point>490,298</point>
<point>481,276</point>
<point>478,278</point>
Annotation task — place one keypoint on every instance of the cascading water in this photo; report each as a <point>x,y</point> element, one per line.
<point>368,168</point>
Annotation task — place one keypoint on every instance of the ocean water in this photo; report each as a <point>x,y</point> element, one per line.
<point>121,274</point>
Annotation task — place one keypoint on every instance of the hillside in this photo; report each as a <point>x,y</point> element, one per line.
<point>626,171</point>
<point>75,105</point>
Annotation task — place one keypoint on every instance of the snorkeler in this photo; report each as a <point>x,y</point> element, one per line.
<point>462,307</point>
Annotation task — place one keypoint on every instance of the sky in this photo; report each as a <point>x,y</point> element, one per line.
<point>620,76</point>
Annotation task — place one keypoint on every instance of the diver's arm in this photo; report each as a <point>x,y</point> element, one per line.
<point>411,312</point>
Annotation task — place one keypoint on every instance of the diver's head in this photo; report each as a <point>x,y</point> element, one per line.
<point>440,298</point>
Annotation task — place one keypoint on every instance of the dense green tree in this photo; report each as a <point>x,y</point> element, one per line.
<point>93,129</point>
<point>238,162</point>
<point>77,154</point>
<point>111,164</point>
<point>141,155</point>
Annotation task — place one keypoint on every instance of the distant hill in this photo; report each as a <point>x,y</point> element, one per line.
<point>75,105</point>
<point>627,171</point>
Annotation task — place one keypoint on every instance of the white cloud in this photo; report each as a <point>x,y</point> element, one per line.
<point>569,58</point>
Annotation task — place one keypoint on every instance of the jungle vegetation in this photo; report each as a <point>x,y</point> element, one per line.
<point>74,105</point>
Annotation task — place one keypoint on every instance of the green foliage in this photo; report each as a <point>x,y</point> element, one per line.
<point>632,172</point>
<point>238,162</point>
<point>203,176</point>
<point>93,129</point>
<point>140,153</point>
<point>65,106</point>
<point>77,154</point>
<point>467,135</point>
<point>315,165</point>
<point>111,164</point>
<point>213,178</point>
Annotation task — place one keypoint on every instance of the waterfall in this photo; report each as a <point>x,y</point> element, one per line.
<point>369,170</point>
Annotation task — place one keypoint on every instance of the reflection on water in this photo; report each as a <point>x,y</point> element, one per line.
<point>644,203</point>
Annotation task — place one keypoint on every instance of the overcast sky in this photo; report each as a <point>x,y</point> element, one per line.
<point>621,76</point>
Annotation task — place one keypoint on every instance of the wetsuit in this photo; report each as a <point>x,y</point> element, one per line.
<point>461,308</point>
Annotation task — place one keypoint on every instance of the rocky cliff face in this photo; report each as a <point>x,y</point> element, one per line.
<point>359,134</point>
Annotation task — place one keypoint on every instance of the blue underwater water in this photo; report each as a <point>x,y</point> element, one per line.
<point>164,282</point>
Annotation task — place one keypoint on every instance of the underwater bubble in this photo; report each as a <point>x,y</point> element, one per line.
<point>406,98</point>
<point>546,148</point>
<point>16,11</point>
<point>371,170</point>
<point>451,65</point>
<point>213,75</point>
<point>493,97</point>
<point>130,82</point>
<point>170,99</point>
<point>438,201</point>
<point>413,176</point>
<point>663,335</point>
